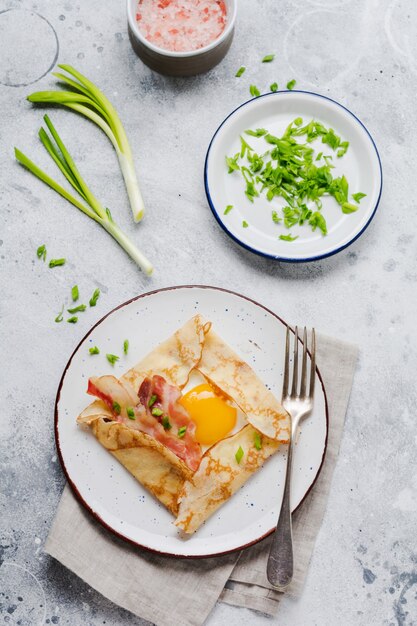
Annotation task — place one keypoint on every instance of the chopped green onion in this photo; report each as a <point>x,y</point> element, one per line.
<point>60,316</point>
<point>112,358</point>
<point>166,423</point>
<point>76,309</point>
<point>257,441</point>
<point>182,431</point>
<point>130,413</point>
<point>254,91</point>
<point>289,169</point>
<point>94,297</point>
<point>240,71</point>
<point>126,346</point>
<point>232,163</point>
<point>268,58</point>
<point>41,252</point>
<point>156,411</point>
<point>88,203</point>
<point>317,221</point>
<point>331,139</point>
<point>274,87</point>
<point>94,350</point>
<point>291,84</point>
<point>75,293</point>
<point>288,237</point>
<point>275,217</point>
<point>347,207</point>
<point>152,400</point>
<point>358,196</point>
<point>56,262</point>
<point>344,145</point>
<point>228,209</point>
<point>239,454</point>
<point>259,132</point>
<point>117,408</point>
<point>72,320</point>
<point>86,99</point>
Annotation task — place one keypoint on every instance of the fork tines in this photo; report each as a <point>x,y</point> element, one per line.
<point>302,392</point>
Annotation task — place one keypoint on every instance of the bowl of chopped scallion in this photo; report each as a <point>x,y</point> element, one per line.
<point>293,175</point>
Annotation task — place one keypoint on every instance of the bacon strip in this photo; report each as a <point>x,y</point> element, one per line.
<point>167,401</point>
<point>120,396</point>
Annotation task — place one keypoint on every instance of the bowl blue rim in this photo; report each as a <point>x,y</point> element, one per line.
<point>272,256</point>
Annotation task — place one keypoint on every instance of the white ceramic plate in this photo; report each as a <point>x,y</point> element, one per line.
<point>274,111</point>
<point>111,494</point>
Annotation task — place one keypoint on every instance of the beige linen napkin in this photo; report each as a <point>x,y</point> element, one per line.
<point>182,592</point>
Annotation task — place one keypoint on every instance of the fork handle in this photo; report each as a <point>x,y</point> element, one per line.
<point>280,561</point>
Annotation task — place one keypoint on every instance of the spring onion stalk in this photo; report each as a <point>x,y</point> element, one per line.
<point>89,101</point>
<point>88,203</point>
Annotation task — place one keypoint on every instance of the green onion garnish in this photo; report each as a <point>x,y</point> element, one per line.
<point>182,431</point>
<point>347,207</point>
<point>56,262</point>
<point>125,346</point>
<point>75,293</point>
<point>257,441</point>
<point>239,454</point>
<point>228,209</point>
<point>94,297</point>
<point>240,71</point>
<point>275,217</point>
<point>112,358</point>
<point>316,220</point>
<point>94,350</point>
<point>288,169</point>
<point>130,413</point>
<point>77,309</point>
<point>41,252</point>
<point>60,316</point>
<point>358,196</point>
<point>87,99</point>
<point>268,58</point>
<point>88,203</point>
<point>254,91</point>
<point>117,408</point>
<point>259,132</point>
<point>166,423</point>
<point>291,84</point>
<point>288,237</point>
<point>152,400</point>
<point>72,320</point>
<point>156,411</point>
<point>274,87</point>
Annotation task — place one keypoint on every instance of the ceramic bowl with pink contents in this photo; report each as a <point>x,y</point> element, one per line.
<point>181,37</point>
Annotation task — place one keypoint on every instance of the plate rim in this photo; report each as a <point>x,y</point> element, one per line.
<point>267,255</point>
<point>74,487</point>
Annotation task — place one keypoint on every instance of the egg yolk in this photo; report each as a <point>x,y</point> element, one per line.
<point>214,418</point>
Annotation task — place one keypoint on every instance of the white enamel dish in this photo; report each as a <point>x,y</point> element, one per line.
<point>111,494</point>
<point>274,111</point>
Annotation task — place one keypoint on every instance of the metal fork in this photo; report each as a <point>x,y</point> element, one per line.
<point>298,401</point>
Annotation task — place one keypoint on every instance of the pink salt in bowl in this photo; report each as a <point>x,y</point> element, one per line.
<point>177,62</point>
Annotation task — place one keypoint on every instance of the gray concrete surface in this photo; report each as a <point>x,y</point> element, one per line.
<point>362,53</point>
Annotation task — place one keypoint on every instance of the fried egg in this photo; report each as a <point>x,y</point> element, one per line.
<point>214,417</point>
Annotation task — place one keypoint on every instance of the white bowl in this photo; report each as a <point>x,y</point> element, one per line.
<point>274,111</point>
<point>181,63</point>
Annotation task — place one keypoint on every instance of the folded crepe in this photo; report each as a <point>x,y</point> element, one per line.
<point>128,420</point>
